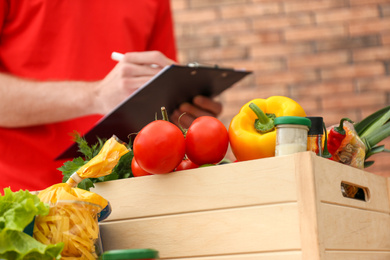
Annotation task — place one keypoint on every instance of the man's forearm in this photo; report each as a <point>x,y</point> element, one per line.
<point>27,103</point>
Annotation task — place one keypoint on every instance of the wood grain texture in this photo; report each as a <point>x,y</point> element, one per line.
<point>288,207</point>
<point>232,231</point>
<point>241,184</point>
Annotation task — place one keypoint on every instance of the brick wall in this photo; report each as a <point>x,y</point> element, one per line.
<point>331,56</point>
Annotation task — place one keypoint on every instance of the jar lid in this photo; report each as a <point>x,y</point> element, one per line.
<point>292,120</point>
<point>129,254</point>
<point>317,127</point>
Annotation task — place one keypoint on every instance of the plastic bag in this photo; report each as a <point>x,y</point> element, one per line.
<point>352,149</point>
<point>75,224</point>
<point>74,212</point>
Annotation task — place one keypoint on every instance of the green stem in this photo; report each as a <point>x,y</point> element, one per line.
<point>372,121</point>
<point>164,114</point>
<point>264,123</point>
<point>182,129</point>
<point>340,129</point>
<point>376,136</point>
<point>326,153</point>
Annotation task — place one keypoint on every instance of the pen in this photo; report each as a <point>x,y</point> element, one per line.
<point>119,56</point>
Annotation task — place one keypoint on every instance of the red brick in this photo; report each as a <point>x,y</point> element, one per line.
<point>385,9</point>
<point>257,41</point>
<point>333,116</point>
<point>183,31</point>
<point>195,16</point>
<point>352,101</point>
<point>372,54</point>
<point>369,26</point>
<point>218,54</point>
<point>184,43</point>
<point>227,27</point>
<point>257,65</point>
<point>314,33</point>
<point>237,11</point>
<point>177,5</point>
<point>310,5</point>
<point>214,3</point>
<point>347,14</point>
<point>262,1</point>
<point>288,77</point>
<point>323,89</point>
<point>385,38</point>
<point>376,84</point>
<point>308,104</point>
<point>250,38</point>
<point>244,95</point>
<point>282,50</point>
<point>365,2</point>
<point>281,22</point>
<point>324,59</point>
<point>353,71</point>
<point>370,110</point>
<point>344,43</point>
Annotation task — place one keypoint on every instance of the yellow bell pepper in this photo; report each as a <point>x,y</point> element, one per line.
<point>246,142</point>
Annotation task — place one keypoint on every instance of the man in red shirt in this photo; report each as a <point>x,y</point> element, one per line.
<point>57,77</point>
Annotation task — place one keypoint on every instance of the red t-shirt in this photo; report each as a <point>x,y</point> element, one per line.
<point>68,40</point>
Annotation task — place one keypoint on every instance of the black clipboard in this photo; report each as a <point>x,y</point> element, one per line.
<point>172,86</point>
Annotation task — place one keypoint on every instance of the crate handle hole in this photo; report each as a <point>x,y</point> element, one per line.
<point>352,191</point>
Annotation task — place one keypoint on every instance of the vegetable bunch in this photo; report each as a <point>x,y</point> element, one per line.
<point>252,133</point>
<point>354,143</point>
<point>17,211</point>
<point>162,147</point>
<point>121,170</point>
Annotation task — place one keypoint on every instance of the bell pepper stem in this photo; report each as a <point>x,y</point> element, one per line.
<point>263,123</point>
<point>340,129</point>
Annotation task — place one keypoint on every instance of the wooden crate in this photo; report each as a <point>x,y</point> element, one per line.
<point>288,208</point>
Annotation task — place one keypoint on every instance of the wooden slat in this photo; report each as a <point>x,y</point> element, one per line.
<point>357,255</point>
<point>353,229</point>
<point>220,232</point>
<point>307,201</point>
<point>291,255</point>
<point>260,209</point>
<point>256,182</point>
<point>329,176</point>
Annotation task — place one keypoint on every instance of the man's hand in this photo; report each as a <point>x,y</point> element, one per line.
<point>134,70</point>
<point>201,106</point>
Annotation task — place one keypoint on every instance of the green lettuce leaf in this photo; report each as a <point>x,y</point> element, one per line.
<point>17,210</point>
<point>18,245</point>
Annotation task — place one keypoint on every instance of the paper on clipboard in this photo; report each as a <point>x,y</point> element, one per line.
<point>172,86</point>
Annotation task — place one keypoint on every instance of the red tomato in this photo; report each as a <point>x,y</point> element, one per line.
<point>207,140</point>
<point>186,164</point>
<point>136,170</point>
<point>159,147</point>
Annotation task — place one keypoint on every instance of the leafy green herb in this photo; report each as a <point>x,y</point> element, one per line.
<point>17,211</point>
<point>121,171</point>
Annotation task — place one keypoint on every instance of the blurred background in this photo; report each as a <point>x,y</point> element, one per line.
<point>331,56</point>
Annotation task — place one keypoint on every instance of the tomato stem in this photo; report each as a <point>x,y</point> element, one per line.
<point>164,114</point>
<point>183,130</point>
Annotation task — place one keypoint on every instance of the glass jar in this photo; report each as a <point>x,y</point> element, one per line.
<point>314,137</point>
<point>127,254</point>
<point>291,134</point>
